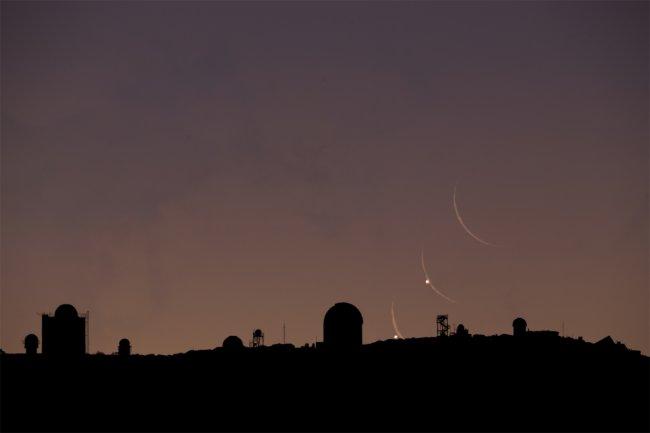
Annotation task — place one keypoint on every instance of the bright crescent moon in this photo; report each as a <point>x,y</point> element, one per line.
<point>462,223</point>
<point>428,280</point>
<point>392,315</point>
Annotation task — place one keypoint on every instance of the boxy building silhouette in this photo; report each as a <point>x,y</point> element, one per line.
<point>64,334</point>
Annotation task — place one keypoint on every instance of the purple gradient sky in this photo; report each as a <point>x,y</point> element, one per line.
<point>187,171</point>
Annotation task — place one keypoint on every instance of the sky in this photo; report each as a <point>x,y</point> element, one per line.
<point>186,171</point>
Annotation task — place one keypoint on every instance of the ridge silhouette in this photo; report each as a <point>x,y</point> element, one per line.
<point>530,381</point>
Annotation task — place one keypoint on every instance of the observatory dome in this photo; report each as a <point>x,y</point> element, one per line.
<point>342,326</point>
<point>124,347</point>
<point>232,342</point>
<point>66,311</point>
<point>344,311</point>
<point>31,344</point>
<point>519,326</point>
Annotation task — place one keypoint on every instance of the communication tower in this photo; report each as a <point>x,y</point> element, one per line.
<point>442,325</point>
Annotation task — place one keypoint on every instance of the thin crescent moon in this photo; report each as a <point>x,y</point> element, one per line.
<point>428,280</point>
<point>462,223</point>
<point>392,315</point>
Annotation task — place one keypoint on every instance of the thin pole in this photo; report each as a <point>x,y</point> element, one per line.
<point>88,331</point>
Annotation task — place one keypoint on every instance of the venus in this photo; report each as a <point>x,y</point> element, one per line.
<point>428,282</point>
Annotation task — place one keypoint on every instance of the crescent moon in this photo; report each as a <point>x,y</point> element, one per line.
<point>462,223</point>
<point>428,282</point>
<point>392,315</point>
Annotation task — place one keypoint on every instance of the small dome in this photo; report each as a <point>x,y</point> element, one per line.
<point>31,344</point>
<point>232,342</point>
<point>66,311</point>
<point>519,323</point>
<point>31,339</point>
<point>519,326</point>
<point>257,333</point>
<point>124,347</point>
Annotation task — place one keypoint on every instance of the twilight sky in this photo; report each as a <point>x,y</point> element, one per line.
<point>188,171</point>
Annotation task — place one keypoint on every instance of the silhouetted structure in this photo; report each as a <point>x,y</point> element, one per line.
<point>442,325</point>
<point>543,334</point>
<point>64,334</point>
<point>124,347</point>
<point>606,341</point>
<point>461,331</point>
<point>180,392</point>
<point>342,327</point>
<point>519,327</point>
<point>232,343</point>
<point>258,338</point>
<point>31,344</point>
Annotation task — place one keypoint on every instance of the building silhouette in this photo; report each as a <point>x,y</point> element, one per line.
<point>31,344</point>
<point>342,327</point>
<point>124,347</point>
<point>461,331</point>
<point>64,334</point>
<point>232,343</point>
<point>324,384</point>
<point>519,327</point>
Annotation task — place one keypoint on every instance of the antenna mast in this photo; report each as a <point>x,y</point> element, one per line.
<point>88,331</point>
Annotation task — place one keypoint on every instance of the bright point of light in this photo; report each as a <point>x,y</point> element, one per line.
<point>427,281</point>
<point>395,337</point>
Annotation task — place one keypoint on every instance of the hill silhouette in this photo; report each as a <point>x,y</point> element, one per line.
<point>530,381</point>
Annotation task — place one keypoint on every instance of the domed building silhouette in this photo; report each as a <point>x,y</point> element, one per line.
<point>124,347</point>
<point>232,343</point>
<point>342,327</point>
<point>64,334</point>
<point>66,311</point>
<point>31,344</point>
<point>519,327</point>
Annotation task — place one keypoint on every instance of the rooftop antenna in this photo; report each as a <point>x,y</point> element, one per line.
<point>284,333</point>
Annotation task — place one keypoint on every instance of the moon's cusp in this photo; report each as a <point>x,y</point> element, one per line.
<point>462,223</point>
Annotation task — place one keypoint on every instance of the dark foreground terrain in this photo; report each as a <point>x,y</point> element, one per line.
<point>457,384</point>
